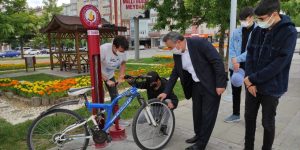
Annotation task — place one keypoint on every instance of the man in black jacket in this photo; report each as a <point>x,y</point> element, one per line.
<point>202,75</point>
<point>155,86</point>
<point>268,61</point>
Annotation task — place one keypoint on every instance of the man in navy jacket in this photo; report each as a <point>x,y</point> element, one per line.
<point>202,75</point>
<point>268,61</point>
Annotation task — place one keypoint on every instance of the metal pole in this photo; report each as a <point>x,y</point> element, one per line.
<point>136,38</point>
<point>228,95</point>
<point>233,15</point>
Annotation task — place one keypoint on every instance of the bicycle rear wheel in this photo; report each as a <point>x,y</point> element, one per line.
<point>148,136</point>
<point>45,131</point>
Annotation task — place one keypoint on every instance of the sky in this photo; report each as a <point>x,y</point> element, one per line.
<point>35,3</point>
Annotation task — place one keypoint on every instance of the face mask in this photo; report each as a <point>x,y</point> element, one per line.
<point>265,24</point>
<point>176,51</point>
<point>244,24</point>
<point>120,53</point>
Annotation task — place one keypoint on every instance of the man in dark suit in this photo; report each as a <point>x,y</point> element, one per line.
<point>202,75</point>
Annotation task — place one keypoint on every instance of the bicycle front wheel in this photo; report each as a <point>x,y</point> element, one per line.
<point>145,134</point>
<point>46,131</point>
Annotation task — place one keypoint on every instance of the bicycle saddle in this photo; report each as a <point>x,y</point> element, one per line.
<point>78,91</point>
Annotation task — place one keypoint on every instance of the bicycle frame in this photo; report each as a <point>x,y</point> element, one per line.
<point>132,93</point>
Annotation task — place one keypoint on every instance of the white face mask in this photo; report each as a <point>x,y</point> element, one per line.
<point>245,24</point>
<point>120,53</point>
<point>265,24</point>
<point>176,51</point>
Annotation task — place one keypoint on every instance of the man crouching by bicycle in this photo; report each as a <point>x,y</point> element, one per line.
<point>155,85</point>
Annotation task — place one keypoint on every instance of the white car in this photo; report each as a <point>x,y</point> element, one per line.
<point>34,52</point>
<point>142,47</point>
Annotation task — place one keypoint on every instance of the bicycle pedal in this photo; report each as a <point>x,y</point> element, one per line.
<point>109,139</point>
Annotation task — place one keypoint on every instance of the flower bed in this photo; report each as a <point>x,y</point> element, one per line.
<point>55,89</point>
<point>4,67</point>
<point>162,58</point>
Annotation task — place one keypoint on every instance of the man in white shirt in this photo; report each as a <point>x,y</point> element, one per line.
<point>113,57</point>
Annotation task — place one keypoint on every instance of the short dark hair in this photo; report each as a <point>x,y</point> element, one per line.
<point>121,41</point>
<point>173,36</point>
<point>246,12</point>
<point>266,7</point>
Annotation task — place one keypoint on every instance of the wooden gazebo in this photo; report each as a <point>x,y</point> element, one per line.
<point>69,27</point>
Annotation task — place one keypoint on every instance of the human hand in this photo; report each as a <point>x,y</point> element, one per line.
<point>233,60</point>
<point>247,81</point>
<point>253,90</point>
<point>220,91</point>
<point>110,83</point>
<point>162,96</point>
<point>170,105</point>
<point>236,67</point>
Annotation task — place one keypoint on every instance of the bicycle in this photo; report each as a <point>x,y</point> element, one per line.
<point>58,128</point>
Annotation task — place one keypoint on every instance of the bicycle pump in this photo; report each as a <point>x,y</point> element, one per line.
<point>91,20</point>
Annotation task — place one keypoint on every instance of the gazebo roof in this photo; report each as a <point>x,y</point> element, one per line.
<point>69,24</point>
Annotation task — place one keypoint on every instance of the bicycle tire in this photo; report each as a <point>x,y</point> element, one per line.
<point>51,112</point>
<point>135,122</point>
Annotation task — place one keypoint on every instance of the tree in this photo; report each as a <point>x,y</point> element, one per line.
<point>181,14</point>
<point>50,9</point>
<point>171,14</point>
<point>292,8</point>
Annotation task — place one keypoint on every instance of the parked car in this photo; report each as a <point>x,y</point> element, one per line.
<point>34,52</point>
<point>45,51</point>
<point>10,54</point>
<point>82,49</point>
<point>142,47</point>
<point>2,54</point>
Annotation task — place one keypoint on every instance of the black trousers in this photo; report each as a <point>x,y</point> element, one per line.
<point>113,91</point>
<point>236,97</point>
<point>205,111</point>
<point>269,106</point>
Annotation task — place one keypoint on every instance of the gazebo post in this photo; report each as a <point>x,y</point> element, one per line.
<point>60,52</point>
<point>77,52</point>
<point>50,51</point>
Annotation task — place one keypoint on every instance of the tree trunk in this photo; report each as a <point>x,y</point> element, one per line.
<point>22,50</point>
<point>221,42</point>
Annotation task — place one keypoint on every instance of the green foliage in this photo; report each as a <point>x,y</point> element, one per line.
<point>171,14</point>
<point>292,8</point>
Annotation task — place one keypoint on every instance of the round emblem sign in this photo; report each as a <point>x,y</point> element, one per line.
<point>90,17</point>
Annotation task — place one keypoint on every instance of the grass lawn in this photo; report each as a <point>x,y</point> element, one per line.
<point>19,58</point>
<point>38,77</point>
<point>151,61</point>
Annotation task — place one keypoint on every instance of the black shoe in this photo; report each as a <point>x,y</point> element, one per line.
<point>192,140</point>
<point>193,147</point>
<point>163,129</point>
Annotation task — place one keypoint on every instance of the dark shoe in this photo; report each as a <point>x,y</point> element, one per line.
<point>192,140</point>
<point>163,129</point>
<point>193,147</point>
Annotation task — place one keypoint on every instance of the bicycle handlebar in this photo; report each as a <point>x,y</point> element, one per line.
<point>137,77</point>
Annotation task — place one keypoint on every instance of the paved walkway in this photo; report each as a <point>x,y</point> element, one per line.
<point>230,136</point>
